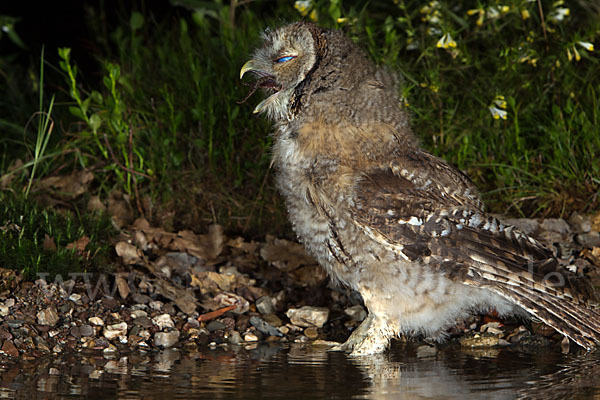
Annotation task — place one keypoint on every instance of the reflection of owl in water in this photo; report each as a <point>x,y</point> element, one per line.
<point>402,227</point>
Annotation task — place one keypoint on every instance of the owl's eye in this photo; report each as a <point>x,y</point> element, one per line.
<point>284,59</point>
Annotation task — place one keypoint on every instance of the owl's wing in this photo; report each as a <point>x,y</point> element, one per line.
<point>429,212</point>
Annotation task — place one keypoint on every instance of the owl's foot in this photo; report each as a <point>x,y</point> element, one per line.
<point>370,337</point>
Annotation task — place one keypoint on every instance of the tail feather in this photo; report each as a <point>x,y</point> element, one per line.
<point>579,322</point>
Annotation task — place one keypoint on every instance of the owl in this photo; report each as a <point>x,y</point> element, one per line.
<point>402,227</point>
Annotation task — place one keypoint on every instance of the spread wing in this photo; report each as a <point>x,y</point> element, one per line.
<point>430,213</point>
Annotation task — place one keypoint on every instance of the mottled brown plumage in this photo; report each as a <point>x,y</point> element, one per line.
<point>402,227</point>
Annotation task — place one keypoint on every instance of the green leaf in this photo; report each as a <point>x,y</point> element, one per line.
<point>76,111</point>
<point>136,21</point>
<point>95,122</point>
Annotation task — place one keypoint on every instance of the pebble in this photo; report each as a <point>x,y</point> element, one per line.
<point>308,316</point>
<point>141,298</point>
<point>250,337</point>
<point>589,240</point>
<point>311,333</point>
<point>166,339</point>
<point>580,223</point>
<point>264,327</point>
<point>163,321</point>
<point>156,305</point>
<point>264,305</point>
<point>214,326</point>
<point>15,323</point>
<point>235,338</point>
<point>426,351</point>
<point>114,331</point>
<point>86,330</point>
<point>76,298</point>
<point>485,340</point>
<point>557,225</point>
<point>9,348</point>
<point>526,225</point>
<point>357,312</point>
<point>138,313</point>
<point>273,320</point>
<point>4,310</point>
<point>96,321</point>
<point>48,316</point>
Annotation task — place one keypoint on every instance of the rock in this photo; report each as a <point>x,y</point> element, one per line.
<point>264,327</point>
<point>273,320</point>
<point>49,316</point>
<point>138,313</point>
<point>308,316</point>
<point>557,225</point>
<point>250,337</point>
<point>9,302</point>
<point>426,351</point>
<point>357,312</point>
<point>526,225</point>
<point>214,326</point>
<point>580,223</point>
<point>156,305</point>
<point>235,338</point>
<point>96,321</point>
<point>4,310</point>
<point>485,340</point>
<point>114,331</point>
<point>144,322</point>
<point>9,348</point>
<point>311,333</point>
<point>14,323</point>
<point>141,298</point>
<point>163,321</point>
<point>264,305</point>
<point>86,330</point>
<point>76,298</point>
<point>166,339</point>
<point>589,240</point>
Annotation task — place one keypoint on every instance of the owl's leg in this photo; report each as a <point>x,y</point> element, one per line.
<point>371,337</point>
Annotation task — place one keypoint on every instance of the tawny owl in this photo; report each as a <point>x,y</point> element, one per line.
<point>402,227</point>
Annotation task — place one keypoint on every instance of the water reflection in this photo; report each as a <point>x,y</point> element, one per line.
<point>301,372</point>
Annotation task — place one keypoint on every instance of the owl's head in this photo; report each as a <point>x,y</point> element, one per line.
<point>283,64</point>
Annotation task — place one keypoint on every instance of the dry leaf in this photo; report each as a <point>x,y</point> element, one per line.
<point>49,244</point>
<point>79,245</point>
<point>129,253</point>
<point>228,299</point>
<point>96,205</point>
<point>67,186</point>
<point>122,286</point>
<point>223,281</point>
<point>285,255</point>
<point>309,275</point>
<point>119,209</point>
<point>6,179</point>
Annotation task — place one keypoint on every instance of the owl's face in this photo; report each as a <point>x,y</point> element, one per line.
<point>280,65</point>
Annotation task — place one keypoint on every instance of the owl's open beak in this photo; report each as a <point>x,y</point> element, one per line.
<point>249,66</point>
<point>264,80</point>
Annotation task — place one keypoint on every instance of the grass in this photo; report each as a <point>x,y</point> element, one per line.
<point>35,240</point>
<point>504,92</point>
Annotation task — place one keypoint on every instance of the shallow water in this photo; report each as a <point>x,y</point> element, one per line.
<point>305,372</point>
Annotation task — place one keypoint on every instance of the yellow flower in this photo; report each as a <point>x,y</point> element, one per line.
<point>559,14</point>
<point>446,41</point>
<point>586,45</point>
<point>577,56</point>
<point>342,20</point>
<point>314,16</point>
<point>499,101</point>
<point>525,14</point>
<point>497,113</point>
<point>303,6</point>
